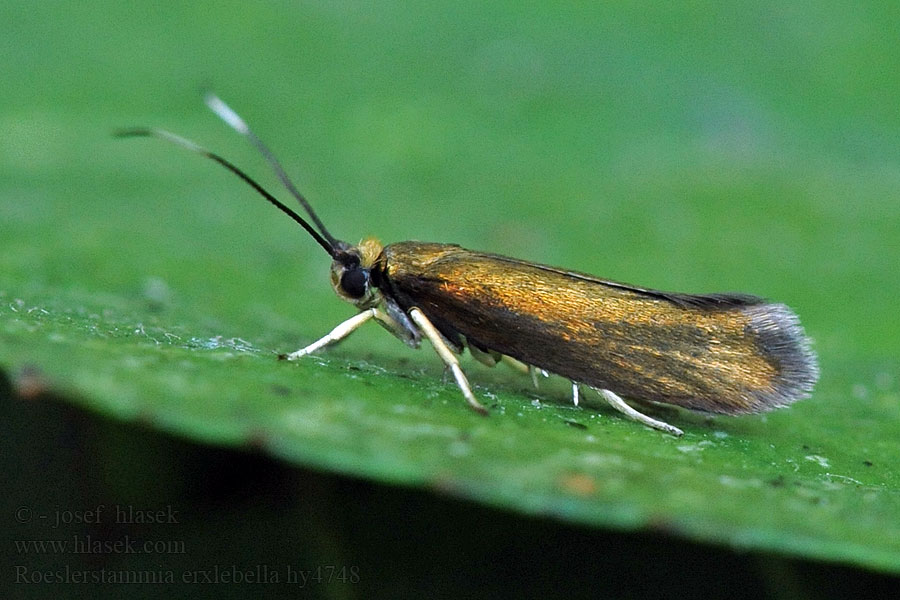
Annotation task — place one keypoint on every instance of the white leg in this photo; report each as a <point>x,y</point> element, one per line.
<point>338,333</point>
<point>620,405</point>
<point>534,371</point>
<point>486,358</point>
<point>518,365</point>
<point>512,363</point>
<point>575,392</point>
<point>447,356</point>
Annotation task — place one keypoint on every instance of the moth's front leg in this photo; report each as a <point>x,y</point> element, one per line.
<point>345,329</point>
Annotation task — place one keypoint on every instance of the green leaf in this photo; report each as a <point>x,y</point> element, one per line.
<point>145,284</point>
<point>814,480</point>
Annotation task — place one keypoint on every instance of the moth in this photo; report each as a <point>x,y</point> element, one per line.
<point>719,353</point>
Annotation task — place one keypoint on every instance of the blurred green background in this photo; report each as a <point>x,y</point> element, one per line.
<point>703,146</point>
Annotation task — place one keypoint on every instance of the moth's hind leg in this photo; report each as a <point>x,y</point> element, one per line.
<point>616,402</point>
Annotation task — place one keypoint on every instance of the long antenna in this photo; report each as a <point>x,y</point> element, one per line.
<point>162,134</point>
<point>227,114</point>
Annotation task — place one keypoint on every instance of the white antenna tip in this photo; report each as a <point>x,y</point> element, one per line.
<point>226,113</point>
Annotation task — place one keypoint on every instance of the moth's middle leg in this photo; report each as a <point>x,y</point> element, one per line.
<point>440,346</point>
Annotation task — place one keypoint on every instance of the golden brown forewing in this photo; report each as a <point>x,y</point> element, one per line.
<point>721,353</point>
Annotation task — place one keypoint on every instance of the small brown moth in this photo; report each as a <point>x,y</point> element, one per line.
<point>719,353</point>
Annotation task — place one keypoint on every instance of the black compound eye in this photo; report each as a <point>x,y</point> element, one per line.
<point>355,282</point>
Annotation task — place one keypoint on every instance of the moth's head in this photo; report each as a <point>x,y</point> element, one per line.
<point>352,270</point>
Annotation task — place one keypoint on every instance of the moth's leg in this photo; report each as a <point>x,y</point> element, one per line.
<point>440,346</point>
<point>395,320</point>
<point>534,371</point>
<point>489,359</point>
<point>620,405</point>
<point>513,363</point>
<point>518,365</point>
<point>339,332</point>
<point>575,392</point>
